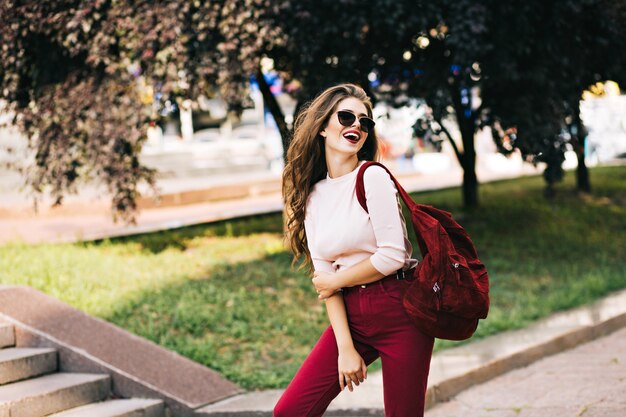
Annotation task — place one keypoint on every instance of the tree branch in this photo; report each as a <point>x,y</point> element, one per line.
<point>274,108</point>
<point>458,153</point>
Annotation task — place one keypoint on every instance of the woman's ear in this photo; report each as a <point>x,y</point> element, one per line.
<point>323,133</point>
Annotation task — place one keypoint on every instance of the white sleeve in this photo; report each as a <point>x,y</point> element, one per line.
<point>384,211</point>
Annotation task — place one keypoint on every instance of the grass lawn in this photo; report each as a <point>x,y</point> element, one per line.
<point>224,294</point>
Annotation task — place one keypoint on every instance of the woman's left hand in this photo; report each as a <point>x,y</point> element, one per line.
<point>324,284</point>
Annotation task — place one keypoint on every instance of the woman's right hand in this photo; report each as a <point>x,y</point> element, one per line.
<point>352,368</point>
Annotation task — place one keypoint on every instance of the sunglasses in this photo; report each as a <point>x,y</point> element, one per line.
<point>347,118</point>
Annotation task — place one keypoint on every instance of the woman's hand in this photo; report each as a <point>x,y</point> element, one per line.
<point>352,368</point>
<point>324,284</point>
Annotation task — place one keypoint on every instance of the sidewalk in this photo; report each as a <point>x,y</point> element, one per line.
<point>536,390</point>
<point>587,381</point>
<point>185,202</point>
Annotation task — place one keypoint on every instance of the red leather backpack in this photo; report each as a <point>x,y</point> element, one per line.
<point>450,291</point>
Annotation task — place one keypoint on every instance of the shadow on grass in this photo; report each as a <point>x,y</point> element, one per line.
<point>179,238</point>
<point>254,322</point>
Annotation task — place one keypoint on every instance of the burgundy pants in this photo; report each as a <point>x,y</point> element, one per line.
<point>379,327</point>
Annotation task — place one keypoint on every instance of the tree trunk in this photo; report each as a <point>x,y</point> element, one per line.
<point>552,174</point>
<point>583,184</point>
<point>274,108</point>
<point>470,181</point>
<point>299,106</point>
<point>455,148</point>
<point>467,127</point>
<point>550,191</point>
<point>470,188</point>
<point>468,163</point>
<point>582,173</point>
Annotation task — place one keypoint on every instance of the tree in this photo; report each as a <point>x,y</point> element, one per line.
<point>594,31</point>
<point>84,78</point>
<point>439,60</point>
<point>549,54</point>
<point>517,67</point>
<point>387,39</point>
<point>327,42</point>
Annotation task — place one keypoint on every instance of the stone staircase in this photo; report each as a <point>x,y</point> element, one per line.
<point>31,386</point>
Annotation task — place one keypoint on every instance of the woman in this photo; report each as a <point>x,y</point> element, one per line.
<point>358,260</point>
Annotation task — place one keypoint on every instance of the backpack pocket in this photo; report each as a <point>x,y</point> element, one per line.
<point>464,294</point>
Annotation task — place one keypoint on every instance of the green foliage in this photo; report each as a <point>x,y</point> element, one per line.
<point>545,55</point>
<point>518,67</point>
<point>224,294</point>
<point>84,78</point>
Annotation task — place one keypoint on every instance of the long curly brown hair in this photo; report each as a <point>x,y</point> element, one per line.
<point>306,161</point>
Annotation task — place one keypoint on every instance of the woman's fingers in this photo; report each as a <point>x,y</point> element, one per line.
<point>345,381</point>
<point>358,377</point>
<point>323,295</point>
<point>354,376</point>
<point>350,380</point>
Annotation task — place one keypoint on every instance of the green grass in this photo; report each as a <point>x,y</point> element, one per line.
<point>225,295</point>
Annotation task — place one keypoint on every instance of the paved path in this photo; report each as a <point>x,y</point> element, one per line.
<point>587,381</point>
<point>86,218</point>
<point>462,367</point>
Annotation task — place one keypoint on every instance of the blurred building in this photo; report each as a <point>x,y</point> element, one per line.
<point>603,111</point>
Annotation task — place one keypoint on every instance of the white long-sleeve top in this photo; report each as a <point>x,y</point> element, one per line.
<point>341,234</point>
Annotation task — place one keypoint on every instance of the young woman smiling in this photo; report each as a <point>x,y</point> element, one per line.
<point>358,260</point>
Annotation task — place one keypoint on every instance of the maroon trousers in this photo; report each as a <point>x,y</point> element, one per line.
<point>379,327</point>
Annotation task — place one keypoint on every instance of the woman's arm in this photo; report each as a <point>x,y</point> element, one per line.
<point>389,231</point>
<point>361,273</point>
<point>351,366</point>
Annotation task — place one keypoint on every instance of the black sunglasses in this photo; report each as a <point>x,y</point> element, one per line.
<point>347,118</point>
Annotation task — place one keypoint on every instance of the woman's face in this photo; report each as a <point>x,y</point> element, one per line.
<point>345,139</point>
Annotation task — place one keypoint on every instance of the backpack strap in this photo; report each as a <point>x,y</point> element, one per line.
<point>360,186</point>
<point>424,225</point>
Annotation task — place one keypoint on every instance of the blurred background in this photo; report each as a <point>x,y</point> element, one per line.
<point>122,96</point>
<point>104,104</point>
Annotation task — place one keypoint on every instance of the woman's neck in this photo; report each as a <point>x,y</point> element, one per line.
<point>338,167</point>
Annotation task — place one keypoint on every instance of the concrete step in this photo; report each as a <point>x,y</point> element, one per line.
<point>134,407</point>
<point>7,335</point>
<point>17,364</point>
<point>52,393</point>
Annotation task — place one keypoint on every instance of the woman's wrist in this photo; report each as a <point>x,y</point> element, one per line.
<point>339,281</point>
<point>362,273</point>
<point>345,347</point>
